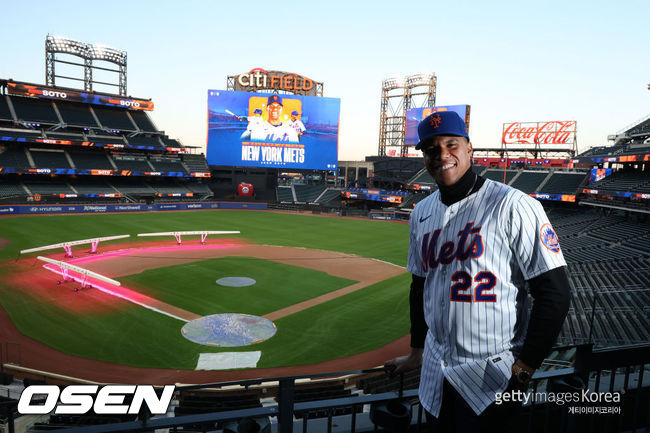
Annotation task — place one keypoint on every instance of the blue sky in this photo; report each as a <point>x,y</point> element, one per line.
<point>511,61</point>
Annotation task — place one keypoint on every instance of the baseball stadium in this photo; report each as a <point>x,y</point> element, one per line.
<point>267,281</point>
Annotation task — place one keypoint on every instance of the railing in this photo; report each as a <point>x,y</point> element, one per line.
<point>617,370</point>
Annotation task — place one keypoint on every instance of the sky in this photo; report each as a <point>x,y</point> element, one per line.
<point>511,61</point>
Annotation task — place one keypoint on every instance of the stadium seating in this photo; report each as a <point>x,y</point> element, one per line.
<point>167,164</point>
<point>46,187</point>
<point>142,120</point>
<point>169,187</point>
<point>13,157</point>
<point>113,118</point>
<point>107,139</point>
<point>49,159</point>
<point>584,241</point>
<point>195,163</point>
<point>11,189</point>
<point>64,134</point>
<point>198,188</point>
<point>422,178</point>
<point>529,181</point>
<point>132,162</point>
<point>129,186</point>
<point>329,194</point>
<point>143,140</point>
<point>640,243</point>
<point>5,113</point>
<point>170,142</point>
<point>563,183</point>
<point>621,289</point>
<point>92,187</point>
<point>623,181</point>
<point>285,194</point>
<point>497,175</point>
<point>478,169</point>
<point>308,193</point>
<point>35,110</point>
<point>24,135</point>
<point>75,114</point>
<point>90,160</point>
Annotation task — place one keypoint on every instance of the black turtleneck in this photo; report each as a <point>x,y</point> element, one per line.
<point>468,184</point>
<point>550,292</point>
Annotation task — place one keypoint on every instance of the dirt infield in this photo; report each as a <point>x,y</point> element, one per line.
<point>125,259</point>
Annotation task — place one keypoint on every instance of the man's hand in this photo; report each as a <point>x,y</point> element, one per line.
<point>517,367</point>
<point>406,363</point>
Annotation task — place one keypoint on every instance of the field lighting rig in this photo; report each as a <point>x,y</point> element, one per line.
<point>398,94</point>
<point>88,53</point>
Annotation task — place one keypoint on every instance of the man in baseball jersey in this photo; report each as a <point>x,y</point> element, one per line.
<point>274,129</point>
<point>296,124</point>
<point>477,249</point>
<point>255,123</point>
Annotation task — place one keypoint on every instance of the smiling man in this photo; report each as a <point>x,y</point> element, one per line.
<point>477,249</point>
<point>274,129</point>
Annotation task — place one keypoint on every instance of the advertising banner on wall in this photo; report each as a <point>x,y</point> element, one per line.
<point>36,91</point>
<point>415,115</point>
<point>249,129</point>
<point>555,132</point>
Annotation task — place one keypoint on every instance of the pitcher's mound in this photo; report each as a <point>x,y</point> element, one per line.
<point>236,281</point>
<point>229,330</point>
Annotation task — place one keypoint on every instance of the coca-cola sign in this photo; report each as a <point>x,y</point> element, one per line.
<point>556,132</point>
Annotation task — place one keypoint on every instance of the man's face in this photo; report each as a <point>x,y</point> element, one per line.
<point>275,110</point>
<point>294,117</point>
<point>447,158</point>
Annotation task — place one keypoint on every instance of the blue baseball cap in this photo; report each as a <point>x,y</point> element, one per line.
<point>257,111</point>
<point>441,123</point>
<point>294,112</point>
<point>274,98</point>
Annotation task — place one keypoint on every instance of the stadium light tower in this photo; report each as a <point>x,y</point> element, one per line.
<point>87,52</point>
<point>398,94</point>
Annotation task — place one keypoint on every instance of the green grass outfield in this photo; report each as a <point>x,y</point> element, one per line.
<point>132,335</point>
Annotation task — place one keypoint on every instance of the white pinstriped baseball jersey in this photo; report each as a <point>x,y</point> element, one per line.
<point>476,256</point>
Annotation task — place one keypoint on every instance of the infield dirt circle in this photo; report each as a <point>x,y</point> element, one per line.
<point>129,259</point>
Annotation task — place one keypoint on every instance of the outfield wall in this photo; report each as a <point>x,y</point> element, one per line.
<point>102,208</point>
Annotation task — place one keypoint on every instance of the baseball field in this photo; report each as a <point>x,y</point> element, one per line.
<point>333,287</point>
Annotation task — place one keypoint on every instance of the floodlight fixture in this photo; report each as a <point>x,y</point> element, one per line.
<point>87,52</point>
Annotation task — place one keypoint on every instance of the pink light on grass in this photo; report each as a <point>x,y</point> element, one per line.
<point>117,291</point>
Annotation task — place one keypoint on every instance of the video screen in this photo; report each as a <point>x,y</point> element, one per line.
<point>415,115</point>
<point>247,129</point>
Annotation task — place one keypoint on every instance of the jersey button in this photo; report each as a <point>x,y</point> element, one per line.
<point>445,363</point>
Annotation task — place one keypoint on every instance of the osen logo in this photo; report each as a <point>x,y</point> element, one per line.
<point>80,399</point>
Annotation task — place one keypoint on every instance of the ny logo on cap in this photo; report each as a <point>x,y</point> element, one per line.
<point>435,120</point>
<point>275,98</point>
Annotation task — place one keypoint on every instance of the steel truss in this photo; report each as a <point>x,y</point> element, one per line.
<point>88,53</point>
<point>398,94</point>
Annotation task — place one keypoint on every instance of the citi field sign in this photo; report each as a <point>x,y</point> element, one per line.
<point>258,78</point>
<point>555,132</point>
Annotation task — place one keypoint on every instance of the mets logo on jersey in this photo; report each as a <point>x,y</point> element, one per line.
<point>549,238</point>
<point>435,120</point>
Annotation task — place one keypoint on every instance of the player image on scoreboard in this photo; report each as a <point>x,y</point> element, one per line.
<point>268,119</point>
<point>252,129</point>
